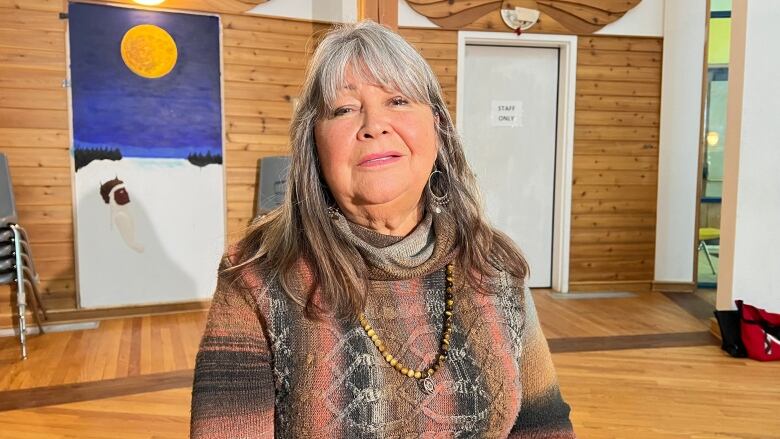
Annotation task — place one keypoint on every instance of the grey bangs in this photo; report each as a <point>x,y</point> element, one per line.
<point>376,55</point>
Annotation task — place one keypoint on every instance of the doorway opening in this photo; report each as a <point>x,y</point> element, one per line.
<point>515,112</point>
<point>716,96</point>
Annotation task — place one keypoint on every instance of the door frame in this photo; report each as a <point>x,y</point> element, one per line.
<point>567,78</point>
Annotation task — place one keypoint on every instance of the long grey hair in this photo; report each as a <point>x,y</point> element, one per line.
<point>301,228</point>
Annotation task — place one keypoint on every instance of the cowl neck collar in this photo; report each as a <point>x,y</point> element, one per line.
<point>429,247</point>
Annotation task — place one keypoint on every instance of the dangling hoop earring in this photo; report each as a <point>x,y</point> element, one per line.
<point>438,201</point>
<point>333,212</point>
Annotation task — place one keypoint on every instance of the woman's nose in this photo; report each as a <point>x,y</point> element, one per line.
<point>375,124</point>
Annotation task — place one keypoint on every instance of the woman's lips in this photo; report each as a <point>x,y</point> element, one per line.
<point>381,159</point>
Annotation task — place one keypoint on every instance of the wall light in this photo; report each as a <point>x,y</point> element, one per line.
<point>520,19</point>
<point>712,138</point>
<point>149,2</point>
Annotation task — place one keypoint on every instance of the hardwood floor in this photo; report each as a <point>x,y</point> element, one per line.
<point>118,348</point>
<point>647,313</point>
<point>639,367</point>
<point>153,415</point>
<point>696,392</point>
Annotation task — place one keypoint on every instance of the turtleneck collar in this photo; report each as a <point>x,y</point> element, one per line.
<point>427,248</point>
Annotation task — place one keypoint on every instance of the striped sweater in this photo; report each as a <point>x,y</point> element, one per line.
<point>264,370</point>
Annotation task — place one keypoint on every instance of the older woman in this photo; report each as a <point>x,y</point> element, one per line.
<point>376,301</point>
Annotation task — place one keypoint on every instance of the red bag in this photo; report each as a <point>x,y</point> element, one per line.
<point>760,332</point>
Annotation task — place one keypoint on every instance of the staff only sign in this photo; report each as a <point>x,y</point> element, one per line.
<point>506,113</point>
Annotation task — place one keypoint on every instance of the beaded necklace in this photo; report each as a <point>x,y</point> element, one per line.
<point>424,378</point>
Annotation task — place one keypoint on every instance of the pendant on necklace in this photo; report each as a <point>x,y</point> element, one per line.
<point>427,386</point>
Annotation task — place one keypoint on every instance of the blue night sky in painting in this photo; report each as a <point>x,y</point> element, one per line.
<point>168,117</point>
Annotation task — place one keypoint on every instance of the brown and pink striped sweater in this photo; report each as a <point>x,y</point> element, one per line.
<point>264,370</point>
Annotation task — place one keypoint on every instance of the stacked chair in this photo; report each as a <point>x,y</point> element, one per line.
<point>16,262</point>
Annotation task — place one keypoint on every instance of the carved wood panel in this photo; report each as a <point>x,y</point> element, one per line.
<point>557,16</point>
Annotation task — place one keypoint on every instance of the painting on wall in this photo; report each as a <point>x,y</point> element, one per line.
<point>147,152</point>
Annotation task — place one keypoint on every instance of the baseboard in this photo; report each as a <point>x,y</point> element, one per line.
<point>674,287</point>
<point>90,314</point>
<point>638,286</point>
<point>49,328</point>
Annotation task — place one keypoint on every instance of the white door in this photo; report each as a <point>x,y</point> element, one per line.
<point>509,129</point>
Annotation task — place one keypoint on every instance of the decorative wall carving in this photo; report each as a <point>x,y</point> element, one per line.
<point>560,16</point>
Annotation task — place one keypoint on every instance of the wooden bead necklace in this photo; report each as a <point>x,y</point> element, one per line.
<point>423,377</point>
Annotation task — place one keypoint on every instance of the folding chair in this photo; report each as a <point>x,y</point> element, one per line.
<point>16,261</point>
<point>708,234</point>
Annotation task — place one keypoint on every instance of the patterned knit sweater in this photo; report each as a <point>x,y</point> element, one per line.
<point>264,370</point>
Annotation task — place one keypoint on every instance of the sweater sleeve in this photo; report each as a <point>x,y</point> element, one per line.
<point>233,388</point>
<point>543,413</point>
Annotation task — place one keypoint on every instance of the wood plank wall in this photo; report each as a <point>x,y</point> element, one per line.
<point>440,49</point>
<point>616,146</point>
<point>35,137</point>
<point>615,169</point>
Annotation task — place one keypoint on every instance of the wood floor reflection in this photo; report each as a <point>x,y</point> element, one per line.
<point>638,367</point>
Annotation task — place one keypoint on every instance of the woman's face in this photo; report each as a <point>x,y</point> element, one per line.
<point>376,147</point>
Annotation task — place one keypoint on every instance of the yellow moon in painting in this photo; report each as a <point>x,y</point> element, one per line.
<point>149,51</point>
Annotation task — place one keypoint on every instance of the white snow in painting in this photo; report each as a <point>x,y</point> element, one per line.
<point>163,246</point>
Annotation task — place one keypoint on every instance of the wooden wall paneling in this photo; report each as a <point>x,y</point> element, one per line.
<point>388,13</point>
<point>615,221</point>
<point>368,9</point>
<point>33,5</point>
<point>29,79</point>
<point>260,91</point>
<point>439,47</point>
<point>617,118</point>
<point>40,158</point>
<point>620,43</point>
<point>260,75</point>
<point>50,232</point>
<point>614,163</point>
<point>31,39</point>
<point>619,88</point>
<point>262,78</point>
<point>617,103</point>
<point>618,73</point>
<point>618,58</point>
<point>34,136</point>
<point>617,147</point>
<point>297,43</point>
<point>425,35</point>
<point>34,59</point>
<point>617,177</point>
<point>615,169</point>
<point>644,235</point>
<point>21,18</point>
<point>218,6</point>
<point>263,57</point>
<point>34,99</point>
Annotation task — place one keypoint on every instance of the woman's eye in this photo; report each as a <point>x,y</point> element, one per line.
<point>341,111</point>
<point>399,101</point>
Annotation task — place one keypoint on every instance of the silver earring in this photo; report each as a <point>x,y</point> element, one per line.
<point>438,201</point>
<point>333,212</point>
